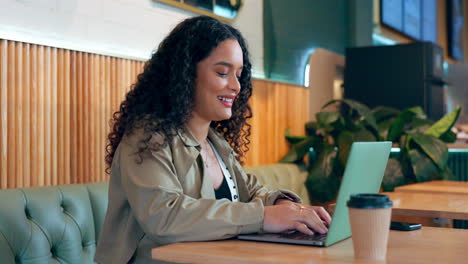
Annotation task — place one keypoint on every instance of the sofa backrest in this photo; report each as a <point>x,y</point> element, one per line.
<point>57,224</point>
<point>282,176</point>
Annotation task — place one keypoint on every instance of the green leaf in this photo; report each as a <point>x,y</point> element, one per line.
<point>423,167</point>
<point>393,176</point>
<point>404,143</point>
<point>364,135</point>
<point>330,103</point>
<point>402,120</point>
<point>448,175</point>
<point>405,163</point>
<point>382,113</point>
<point>419,125</point>
<point>434,148</point>
<point>448,137</point>
<point>311,128</point>
<point>418,111</point>
<point>292,139</point>
<point>362,110</point>
<point>326,120</point>
<point>384,126</point>
<point>349,124</point>
<point>327,117</point>
<point>324,180</point>
<point>298,151</point>
<point>346,138</point>
<point>444,124</point>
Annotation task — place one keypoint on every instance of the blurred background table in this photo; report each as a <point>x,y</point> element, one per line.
<point>432,205</point>
<point>448,187</point>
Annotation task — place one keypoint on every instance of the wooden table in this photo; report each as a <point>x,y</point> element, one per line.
<point>428,245</point>
<point>450,187</point>
<point>433,205</point>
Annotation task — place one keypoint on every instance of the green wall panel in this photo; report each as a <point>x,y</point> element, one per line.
<point>293,29</point>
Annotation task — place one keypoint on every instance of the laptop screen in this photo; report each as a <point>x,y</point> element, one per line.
<point>364,172</point>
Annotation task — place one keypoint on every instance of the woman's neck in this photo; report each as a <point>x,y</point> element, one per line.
<point>199,128</point>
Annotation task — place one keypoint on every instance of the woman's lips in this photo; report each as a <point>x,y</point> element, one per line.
<point>226,100</point>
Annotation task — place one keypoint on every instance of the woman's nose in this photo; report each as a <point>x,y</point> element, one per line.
<point>234,84</point>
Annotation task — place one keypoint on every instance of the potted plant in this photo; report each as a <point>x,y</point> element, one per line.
<point>423,151</point>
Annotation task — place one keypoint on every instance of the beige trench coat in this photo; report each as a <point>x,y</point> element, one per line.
<point>168,198</point>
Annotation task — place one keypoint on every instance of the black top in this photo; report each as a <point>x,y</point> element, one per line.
<point>223,191</point>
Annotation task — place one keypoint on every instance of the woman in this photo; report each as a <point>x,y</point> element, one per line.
<point>175,147</point>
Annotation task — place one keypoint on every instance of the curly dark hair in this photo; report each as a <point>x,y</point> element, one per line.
<point>162,99</point>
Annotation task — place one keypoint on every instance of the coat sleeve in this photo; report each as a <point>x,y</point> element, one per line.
<point>167,215</point>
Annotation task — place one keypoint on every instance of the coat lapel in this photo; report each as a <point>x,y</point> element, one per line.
<point>189,148</point>
<point>192,148</point>
<point>227,154</point>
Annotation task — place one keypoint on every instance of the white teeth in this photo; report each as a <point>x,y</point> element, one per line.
<point>229,100</point>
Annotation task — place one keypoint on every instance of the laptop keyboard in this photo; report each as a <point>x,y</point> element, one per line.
<point>302,236</point>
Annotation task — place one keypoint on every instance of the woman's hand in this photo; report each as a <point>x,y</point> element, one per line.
<point>324,215</point>
<point>286,215</point>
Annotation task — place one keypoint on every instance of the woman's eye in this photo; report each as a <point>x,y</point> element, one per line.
<point>222,74</point>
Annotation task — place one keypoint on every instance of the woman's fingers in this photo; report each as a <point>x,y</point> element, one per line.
<point>288,216</point>
<point>303,229</point>
<point>323,214</point>
<point>312,220</point>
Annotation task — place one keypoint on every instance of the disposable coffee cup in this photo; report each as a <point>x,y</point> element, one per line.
<point>369,216</point>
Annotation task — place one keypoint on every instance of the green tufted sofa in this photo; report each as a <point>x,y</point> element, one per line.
<point>58,224</point>
<point>61,224</point>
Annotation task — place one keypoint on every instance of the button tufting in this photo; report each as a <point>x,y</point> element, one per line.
<point>26,212</point>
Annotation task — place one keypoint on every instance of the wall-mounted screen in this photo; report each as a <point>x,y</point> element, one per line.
<point>412,18</point>
<point>221,9</point>
<point>416,19</point>
<point>455,28</point>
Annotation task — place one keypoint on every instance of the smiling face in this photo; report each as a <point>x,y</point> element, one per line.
<point>217,82</point>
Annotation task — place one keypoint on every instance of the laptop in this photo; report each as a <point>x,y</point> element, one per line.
<point>363,174</point>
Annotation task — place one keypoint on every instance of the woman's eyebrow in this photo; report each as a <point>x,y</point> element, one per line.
<point>227,64</point>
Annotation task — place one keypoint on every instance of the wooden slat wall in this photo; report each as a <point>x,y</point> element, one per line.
<point>55,107</point>
<point>276,107</point>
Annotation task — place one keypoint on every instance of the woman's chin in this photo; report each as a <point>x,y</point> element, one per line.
<point>222,117</point>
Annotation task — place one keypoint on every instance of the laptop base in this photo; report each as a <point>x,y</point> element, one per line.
<point>316,240</point>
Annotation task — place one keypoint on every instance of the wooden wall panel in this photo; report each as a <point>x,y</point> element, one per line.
<point>73,116</point>
<point>11,141</point>
<point>47,113</point>
<point>55,107</point>
<point>3,115</point>
<point>18,106</point>
<point>26,122</point>
<point>276,106</point>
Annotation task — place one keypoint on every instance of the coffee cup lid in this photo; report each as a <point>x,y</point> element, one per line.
<point>369,201</point>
